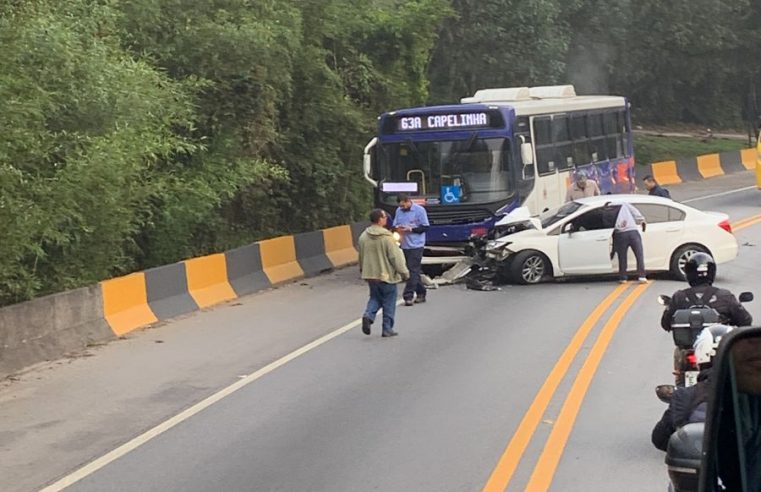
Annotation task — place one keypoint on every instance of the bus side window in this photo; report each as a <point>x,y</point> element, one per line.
<point>561,137</point>
<point>545,154</point>
<point>623,125</point>
<point>596,137</point>
<point>581,155</point>
<point>613,141</point>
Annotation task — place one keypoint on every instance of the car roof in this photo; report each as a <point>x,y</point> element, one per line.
<point>602,199</point>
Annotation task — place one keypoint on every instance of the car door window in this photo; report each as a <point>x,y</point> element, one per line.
<point>597,219</point>
<point>659,213</point>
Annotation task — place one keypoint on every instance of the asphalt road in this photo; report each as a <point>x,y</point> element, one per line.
<point>481,390</point>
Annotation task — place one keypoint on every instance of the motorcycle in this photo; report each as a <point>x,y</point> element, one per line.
<point>686,325</point>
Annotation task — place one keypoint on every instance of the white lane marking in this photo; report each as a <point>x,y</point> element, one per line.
<point>716,195</point>
<point>125,448</point>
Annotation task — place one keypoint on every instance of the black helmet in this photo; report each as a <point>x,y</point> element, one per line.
<point>700,269</point>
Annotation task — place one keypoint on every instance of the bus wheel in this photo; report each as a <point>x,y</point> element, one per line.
<point>681,256</point>
<point>530,267</point>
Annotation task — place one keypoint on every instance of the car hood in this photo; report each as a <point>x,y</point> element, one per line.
<point>513,238</point>
<point>517,216</point>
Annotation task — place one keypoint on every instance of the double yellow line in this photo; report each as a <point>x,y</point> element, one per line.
<point>544,471</point>
<point>746,222</point>
<point>545,468</point>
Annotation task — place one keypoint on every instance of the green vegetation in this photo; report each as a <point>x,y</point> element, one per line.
<point>649,149</point>
<point>140,133</point>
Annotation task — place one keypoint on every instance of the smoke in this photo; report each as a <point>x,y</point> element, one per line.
<point>588,67</point>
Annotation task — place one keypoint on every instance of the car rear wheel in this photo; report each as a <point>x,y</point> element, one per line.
<point>530,267</point>
<point>681,256</point>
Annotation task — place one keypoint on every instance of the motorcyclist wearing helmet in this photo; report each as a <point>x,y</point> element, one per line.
<point>688,405</point>
<point>700,271</point>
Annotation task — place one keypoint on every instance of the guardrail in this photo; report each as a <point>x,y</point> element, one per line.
<point>703,166</point>
<point>51,327</point>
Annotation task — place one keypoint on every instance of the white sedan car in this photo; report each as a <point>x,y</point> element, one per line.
<point>577,238</point>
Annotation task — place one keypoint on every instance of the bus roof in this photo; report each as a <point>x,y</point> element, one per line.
<point>526,101</point>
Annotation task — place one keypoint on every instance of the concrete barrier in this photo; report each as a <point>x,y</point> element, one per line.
<point>207,280</point>
<point>168,293</point>
<point>702,167</point>
<point>245,270</point>
<point>125,303</point>
<point>279,259</point>
<point>50,327</point>
<point>310,253</point>
<point>339,246</point>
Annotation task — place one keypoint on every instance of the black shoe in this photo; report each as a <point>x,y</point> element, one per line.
<point>366,322</point>
<point>389,334</point>
<point>419,299</point>
<point>409,302</point>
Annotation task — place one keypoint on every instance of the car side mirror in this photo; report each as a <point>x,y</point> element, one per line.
<point>732,440</point>
<point>664,300</point>
<point>746,297</point>
<point>569,228</point>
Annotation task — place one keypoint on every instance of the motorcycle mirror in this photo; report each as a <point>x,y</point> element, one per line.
<point>664,392</point>
<point>746,297</point>
<point>664,300</point>
<point>732,442</point>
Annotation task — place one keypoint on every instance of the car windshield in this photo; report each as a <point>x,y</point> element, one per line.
<point>552,216</point>
<point>453,172</point>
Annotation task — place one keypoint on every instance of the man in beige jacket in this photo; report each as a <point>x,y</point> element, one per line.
<point>582,187</point>
<point>382,265</point>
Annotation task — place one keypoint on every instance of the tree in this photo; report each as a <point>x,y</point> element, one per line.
<point>498,43</point>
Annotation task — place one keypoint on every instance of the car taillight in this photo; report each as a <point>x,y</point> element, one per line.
<point>724,224</point>
<point>479,231</point>
<point>692,359</point>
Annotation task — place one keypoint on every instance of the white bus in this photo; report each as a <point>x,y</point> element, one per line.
<point>471,163</point>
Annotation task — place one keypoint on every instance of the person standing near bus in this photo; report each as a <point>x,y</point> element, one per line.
<point>382,266</point>
<point>411,222</point>
<point>653,188</point>
<point>582,187</point>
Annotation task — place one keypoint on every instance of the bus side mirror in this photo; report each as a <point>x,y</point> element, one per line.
<point>527,154</point>
<point>367,161</point>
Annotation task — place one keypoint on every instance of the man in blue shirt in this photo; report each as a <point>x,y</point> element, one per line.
<point>411,222</point>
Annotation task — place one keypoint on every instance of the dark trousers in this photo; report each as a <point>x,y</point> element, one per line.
<point>382,296</point>
<point>622,241</point>
<point>414,258</point>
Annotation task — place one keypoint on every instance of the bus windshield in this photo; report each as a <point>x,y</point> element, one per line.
<point>470,171</point>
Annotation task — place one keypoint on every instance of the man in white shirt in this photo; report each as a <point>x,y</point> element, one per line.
<point>626,235</point>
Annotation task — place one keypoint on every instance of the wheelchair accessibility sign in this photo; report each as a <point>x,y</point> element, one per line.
<point>450,194</point>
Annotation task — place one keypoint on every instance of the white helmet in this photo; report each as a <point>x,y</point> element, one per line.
<point>707,343</point>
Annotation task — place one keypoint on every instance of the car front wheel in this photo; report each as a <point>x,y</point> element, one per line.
<point>530,267</point>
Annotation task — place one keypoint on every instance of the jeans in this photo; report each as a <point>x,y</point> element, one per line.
<point>382,296</point>
<point>622,241</point>
<point>414,259</point>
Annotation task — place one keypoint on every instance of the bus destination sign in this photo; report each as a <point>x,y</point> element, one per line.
<point>443,122</point>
